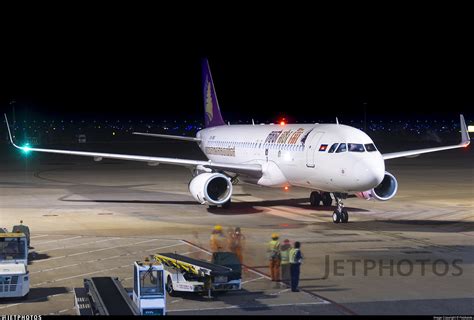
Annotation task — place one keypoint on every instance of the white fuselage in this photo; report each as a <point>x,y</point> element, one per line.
<point>298,155</point>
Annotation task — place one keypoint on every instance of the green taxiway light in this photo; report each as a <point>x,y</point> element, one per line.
<point>26,148</point>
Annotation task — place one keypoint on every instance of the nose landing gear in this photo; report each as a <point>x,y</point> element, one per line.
<point>340,214</point>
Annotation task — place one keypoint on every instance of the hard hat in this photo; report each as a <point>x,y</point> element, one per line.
<point>286,241</point>
<point>275,235</point>
<point>218,228</point>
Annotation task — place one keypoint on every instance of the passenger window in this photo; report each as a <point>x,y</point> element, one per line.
<point>370,147</point>
<point>355,147</point>
<point>333,148</point>
<point>342,148</point>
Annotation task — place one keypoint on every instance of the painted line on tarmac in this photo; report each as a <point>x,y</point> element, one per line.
<point>326,300</point>
<point>36,299</point>
<point>102,259</point>
<point>189,252</point>
<point>56,240</point>
<point>280,292</point>
<point>80,275</point>
<point>92,251</point>
<point>39,236</point>
<point>78,245</point>
<point>254,279</point>
<point>246,306</point>
<point>60,311</point>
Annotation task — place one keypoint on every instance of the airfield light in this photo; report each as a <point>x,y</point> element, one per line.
<point>282,122</point>
<point>286,188</point>
<point>26,148</point>
<point>470,128</point>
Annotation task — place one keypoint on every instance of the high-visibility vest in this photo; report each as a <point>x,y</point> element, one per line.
<point>217,242</point>
<point>293,253</point>
<point>274,249</point>
<point>285,256</point>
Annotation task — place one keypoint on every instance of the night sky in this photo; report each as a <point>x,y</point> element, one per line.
<point>264,65</point>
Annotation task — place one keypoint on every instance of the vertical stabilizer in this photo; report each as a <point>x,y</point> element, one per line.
<point>212,116</point>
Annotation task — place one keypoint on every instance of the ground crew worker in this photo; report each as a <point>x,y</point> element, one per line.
<point>285,262</point>
<point>296,258</point>
<point>229,238</point>
<point>237,244</point>
<point>217,242</point>
<point>274,257</point>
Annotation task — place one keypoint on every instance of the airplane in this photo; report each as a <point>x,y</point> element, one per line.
<point>333,160</point>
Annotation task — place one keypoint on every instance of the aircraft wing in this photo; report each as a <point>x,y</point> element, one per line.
<point>465,141</point>
<point>167,136</point>
<point>248,169</point>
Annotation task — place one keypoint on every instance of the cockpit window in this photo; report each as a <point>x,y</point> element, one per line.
<point>355,147</point>
<point>333,148</point>
<point>342,148</point>
<point>370,147</point>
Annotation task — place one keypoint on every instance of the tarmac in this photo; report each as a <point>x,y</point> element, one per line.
<point>410,255</point>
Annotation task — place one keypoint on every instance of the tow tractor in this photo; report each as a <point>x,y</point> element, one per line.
<point>14,275</point>
<point>107,296</point>
<point>185,274</point>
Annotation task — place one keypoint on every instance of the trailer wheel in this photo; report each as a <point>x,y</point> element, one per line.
<point>169,287</point>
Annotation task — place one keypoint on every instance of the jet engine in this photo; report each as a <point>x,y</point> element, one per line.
<point>386,190</point>
<point>211,188</point>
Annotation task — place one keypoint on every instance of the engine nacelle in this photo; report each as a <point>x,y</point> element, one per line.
<point>386,190</point>
<point>211,188</point>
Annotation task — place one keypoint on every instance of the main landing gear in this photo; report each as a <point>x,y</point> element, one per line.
<point>317,197</point>
<point>340,214</point>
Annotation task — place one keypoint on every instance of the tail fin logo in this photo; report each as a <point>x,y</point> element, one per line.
<point>209,102</point>
<point>212,112</point>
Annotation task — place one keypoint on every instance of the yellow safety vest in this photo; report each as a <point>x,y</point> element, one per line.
<point>293,252</point>
<point>274,249</point>
<point>285,256</point>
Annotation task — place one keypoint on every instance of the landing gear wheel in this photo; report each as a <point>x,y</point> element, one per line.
<point>336,217</point>
<point>315,199</point>
<point>226,205</point>
<point>344,216</point>
<point>327,200</point>
<point>169,288</point>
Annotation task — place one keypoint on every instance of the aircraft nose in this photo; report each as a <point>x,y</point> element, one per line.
<point>369,173</point>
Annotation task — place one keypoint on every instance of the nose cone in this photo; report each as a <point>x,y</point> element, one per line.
<point>369,173</point>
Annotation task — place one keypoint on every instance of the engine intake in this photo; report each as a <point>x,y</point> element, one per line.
<point>386,190</point>
<point>211,188</point>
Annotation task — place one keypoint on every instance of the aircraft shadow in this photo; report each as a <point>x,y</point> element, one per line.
<point>249,207</point>
<point>134,201</point>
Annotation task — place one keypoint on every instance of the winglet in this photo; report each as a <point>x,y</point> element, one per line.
<point>26,149</point>
<point>465,139</point>
<point>9,132</point>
